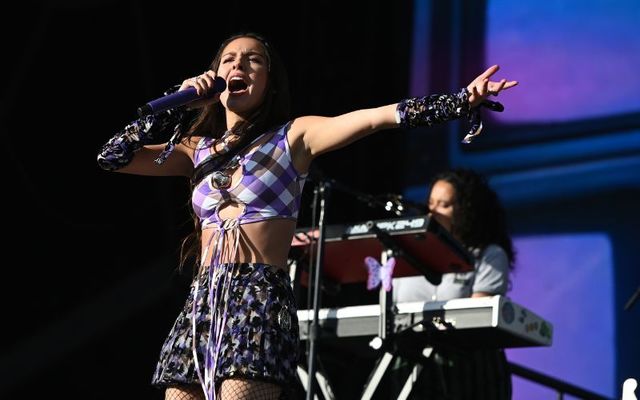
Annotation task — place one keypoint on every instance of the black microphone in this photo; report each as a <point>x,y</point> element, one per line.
<point>180,98</point>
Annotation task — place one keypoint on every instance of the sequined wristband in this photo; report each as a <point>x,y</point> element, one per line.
<point>432,109</point>
<point>120,149</point>
<point>437,108</point>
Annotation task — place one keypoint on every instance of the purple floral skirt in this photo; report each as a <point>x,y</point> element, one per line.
<point>260,339</point>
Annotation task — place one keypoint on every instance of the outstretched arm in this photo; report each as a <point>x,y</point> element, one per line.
<point>311,136</point>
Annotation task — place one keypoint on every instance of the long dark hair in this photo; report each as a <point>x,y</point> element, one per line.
<point>275,110</point>
<point>479,218</point>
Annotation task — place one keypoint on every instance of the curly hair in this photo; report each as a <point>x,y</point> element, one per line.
<point>479,218</point>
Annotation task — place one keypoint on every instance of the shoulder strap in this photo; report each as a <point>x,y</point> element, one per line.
<point>214,162</point>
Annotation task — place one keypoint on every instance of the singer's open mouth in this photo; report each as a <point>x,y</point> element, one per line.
<point>236,85</point>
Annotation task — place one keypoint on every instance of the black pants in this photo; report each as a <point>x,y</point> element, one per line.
<point>455,374</point>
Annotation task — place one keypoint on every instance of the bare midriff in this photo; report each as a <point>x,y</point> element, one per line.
<point>266,242</point>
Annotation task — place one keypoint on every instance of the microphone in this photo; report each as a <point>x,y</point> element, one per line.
<point>180,98</point>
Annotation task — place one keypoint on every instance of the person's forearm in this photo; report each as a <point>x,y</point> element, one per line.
<point>432,109</point>
<point>120,149</point>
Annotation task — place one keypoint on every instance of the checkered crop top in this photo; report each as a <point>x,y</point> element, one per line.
<point>270,186</point>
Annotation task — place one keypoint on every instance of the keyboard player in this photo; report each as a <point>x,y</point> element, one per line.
<point>463,202</point>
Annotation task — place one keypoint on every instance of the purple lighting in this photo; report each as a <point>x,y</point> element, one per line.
<point>574,59</point>
<point>568,280</point>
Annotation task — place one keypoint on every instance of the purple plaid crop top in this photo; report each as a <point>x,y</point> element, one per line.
<point>270,186</point>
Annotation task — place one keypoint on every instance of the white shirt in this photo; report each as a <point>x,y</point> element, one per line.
<point>490,275</point>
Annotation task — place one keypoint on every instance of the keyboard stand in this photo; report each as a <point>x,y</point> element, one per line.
<point>321,381</point>
<point>376,375</point>
<point>386,335</point>
<point>383,365</point>
<point>387,313</point>
<point>408,386</point>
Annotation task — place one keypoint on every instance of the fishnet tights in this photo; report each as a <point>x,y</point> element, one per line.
<point>186,392</point>
<point>243,389</point>
<point>231,389</point>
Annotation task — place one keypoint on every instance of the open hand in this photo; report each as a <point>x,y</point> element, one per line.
<point>481,87</point>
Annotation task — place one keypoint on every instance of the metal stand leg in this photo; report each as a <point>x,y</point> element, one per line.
<point>376,376</point>
<point>408,385</point>
<point>321,380</point>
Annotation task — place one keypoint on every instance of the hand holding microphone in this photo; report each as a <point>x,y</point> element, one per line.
<point>198,91</point>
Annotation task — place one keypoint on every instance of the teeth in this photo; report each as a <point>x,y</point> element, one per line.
<point>236,78</point>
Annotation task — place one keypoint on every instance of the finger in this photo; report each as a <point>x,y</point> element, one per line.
<point>210,74</point>
<point>196,83</point>
<point>497,88</point>
<point>490,71</point>
<point>207,81</point>
<point>507,85</point>
<point>187,83</point>
<point>510,84</point>
<point>474,94</point>
<point>484,88</point>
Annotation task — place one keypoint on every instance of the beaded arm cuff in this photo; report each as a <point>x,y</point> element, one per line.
<point>437,108</point>
<point>119,150</point>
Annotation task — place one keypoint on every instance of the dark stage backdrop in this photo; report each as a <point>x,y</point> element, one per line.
<point>90,287</point>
